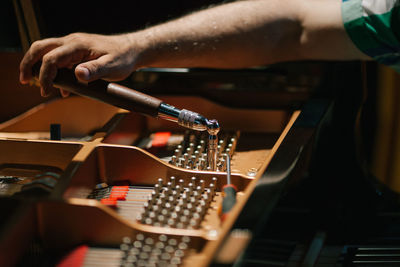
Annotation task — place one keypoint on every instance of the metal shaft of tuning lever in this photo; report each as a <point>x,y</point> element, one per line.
<point>132,100</point>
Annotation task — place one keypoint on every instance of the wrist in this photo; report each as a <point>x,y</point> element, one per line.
<point>140,49</point>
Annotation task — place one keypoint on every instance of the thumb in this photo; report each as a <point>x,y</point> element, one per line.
<point>91,70</point>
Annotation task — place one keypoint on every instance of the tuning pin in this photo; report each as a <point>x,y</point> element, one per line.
<point>199,211</point>
<point>161,218</point>
<point>202,164</point>
<point>221,142</point>
<point>202,143</point>
<point>178,190</point>
<point>169,186</point>
<point>173,160</point>
<point>190,190</point>
<point>197,193</point>
<point>164,212</point>
<point>191,146</point>
<point>157,189</point>
<point>172,179</point>
<point>182,245</point>
<point>201,184</point>
<point>184,199</point>
<point>172,199</point>
<point>178,210</point>
<point>230,146</point>
<point>153,199</point>
<point>212,190</point>
<point>206,199</point>
<point>174,215</point>
<point>189,208</point>
<point>181,162</point>
<point>184,219</point>
<point>186,157</point>
<point>193,161</point>
<point>177,153</point>
<point>171,222</point>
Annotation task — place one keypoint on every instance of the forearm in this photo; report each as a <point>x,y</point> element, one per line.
<point>248,33</point>
<point>235,35</point>
<point>239,34</point>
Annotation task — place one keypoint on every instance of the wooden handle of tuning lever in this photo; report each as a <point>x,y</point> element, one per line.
<point>110,93</point>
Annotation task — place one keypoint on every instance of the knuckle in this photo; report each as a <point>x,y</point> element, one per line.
<point>49,59</point>
<point>73,35</point>
<point>36,45</point>
<point>79,40</point>
<point>76,36</point>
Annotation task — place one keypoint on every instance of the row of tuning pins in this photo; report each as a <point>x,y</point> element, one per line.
<point>192,152</point>
<point>155,250</point>
<point>177,205</point>
<point>140,250</point>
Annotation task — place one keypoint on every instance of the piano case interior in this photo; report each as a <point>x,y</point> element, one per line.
<point>87,183</point>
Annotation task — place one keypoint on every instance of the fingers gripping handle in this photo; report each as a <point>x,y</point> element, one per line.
<point>110,93</point>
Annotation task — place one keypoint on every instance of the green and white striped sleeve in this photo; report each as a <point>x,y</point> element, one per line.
<point>374,27</point>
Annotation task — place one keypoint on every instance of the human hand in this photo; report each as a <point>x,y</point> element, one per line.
<point>94,56</point>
